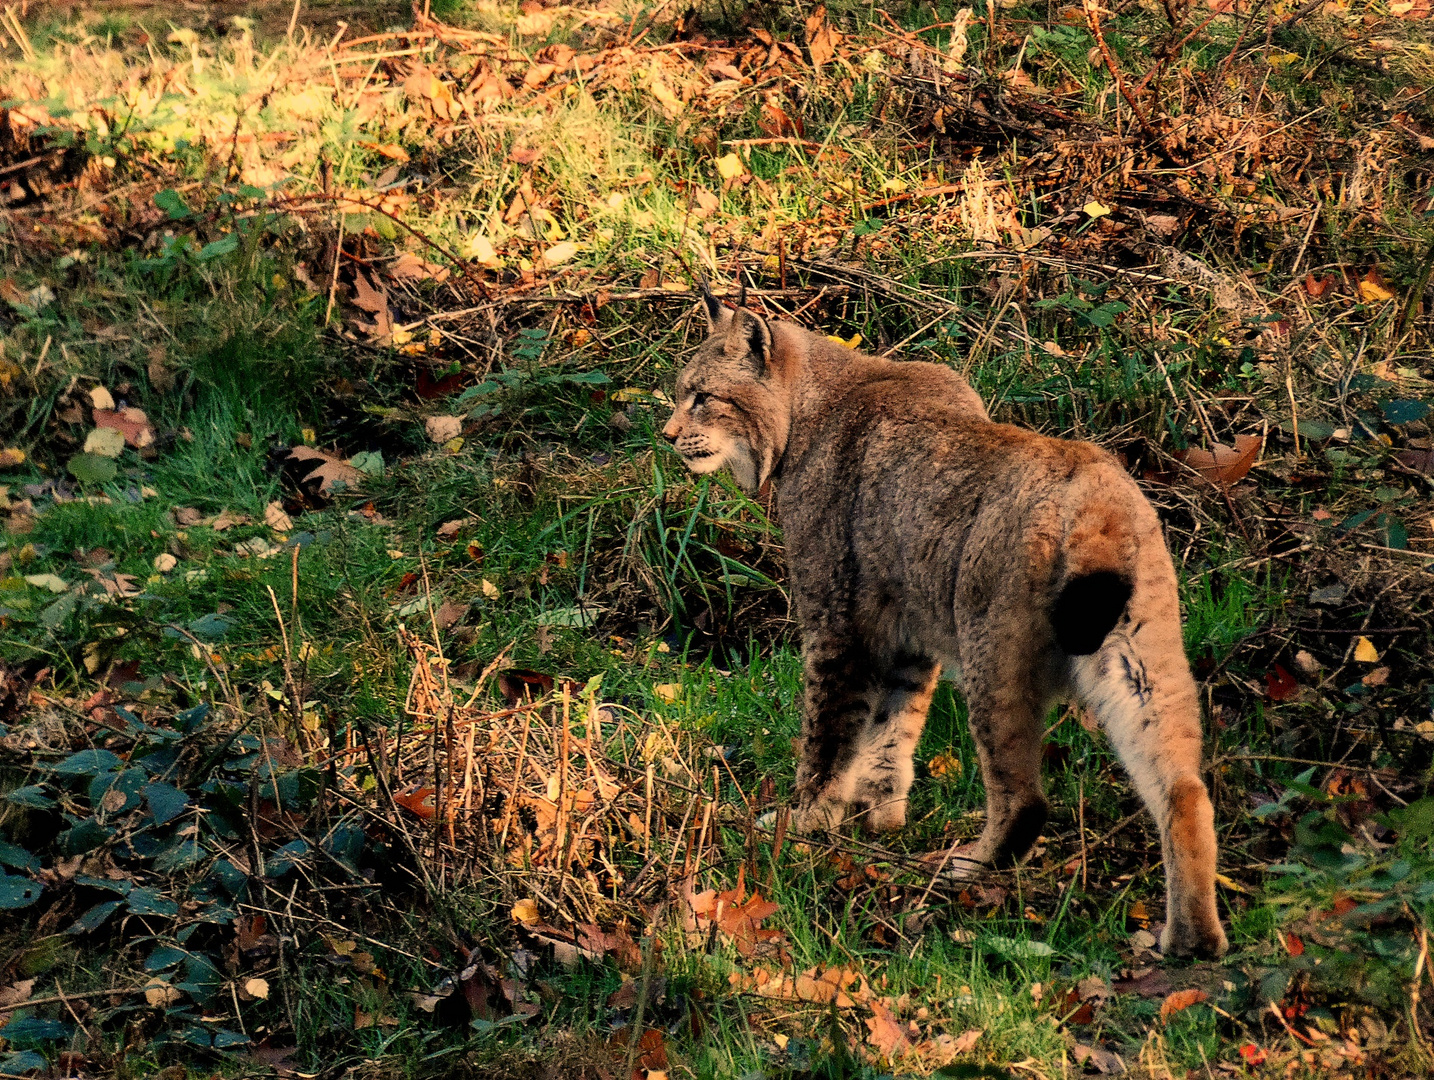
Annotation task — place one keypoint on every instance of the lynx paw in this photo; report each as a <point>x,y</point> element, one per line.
<point>1187,939</point>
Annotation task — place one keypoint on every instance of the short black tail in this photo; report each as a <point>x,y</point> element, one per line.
<point>1087,610</point>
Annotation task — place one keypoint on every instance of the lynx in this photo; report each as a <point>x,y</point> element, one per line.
<point>921,536</point>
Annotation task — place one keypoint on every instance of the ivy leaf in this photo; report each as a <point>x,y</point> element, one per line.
<point>32,796</point>
<point>19,858</point>
<point>150,902</point>
<point>88,763</point>
<point>93,919</point>
<point>18,892</point>
<point>166,802</point>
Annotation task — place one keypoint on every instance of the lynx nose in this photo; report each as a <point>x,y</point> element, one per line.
<point>672,430</point>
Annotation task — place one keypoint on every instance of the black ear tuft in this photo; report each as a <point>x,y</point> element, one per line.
<point>749,337</point>
<point>1087,610</point>
<point>710,304</point>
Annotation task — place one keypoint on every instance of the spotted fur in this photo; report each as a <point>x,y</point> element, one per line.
<point>920,535</point>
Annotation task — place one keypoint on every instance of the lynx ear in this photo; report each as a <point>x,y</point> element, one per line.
<point>711,306</point>
<point>749,337</point>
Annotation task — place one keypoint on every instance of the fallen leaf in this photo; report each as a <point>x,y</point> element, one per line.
<point>449,613</point>
<point>106,442</point>
<point>560,253</point>
<point>1373,289</point>
<point>480,249</point>
<point>1094,209</point>
<point>1364,651</point>
<point>1180,1000</point>
<point>187,515</point>
<point>53,582</point>
<point>441,429</point>
<point>276,519</point>
<point>159,993</point>
<point>1280,685</point>
<point>822,38</point>
<point>131,423</point>
<point>729,167</point>
<point>1315,287</point>
<point>490,590</point>
<point>450,529</point>
<point>418,802</point>
<point>526,912</point>
<point>164,562</point>
<point>671,104</point>
<point>1099,1058</point>
<point>11,456</point>
<point>327,469</point>
<point>257,988</point>
<point>887,1034</point>
<point>410,267</point>
<point>668,692</point>
<point>1253,1055</point>
<point>100,398</point>
<point>228,519</point>
<point>967,1040</point>
<point>1223,465</point>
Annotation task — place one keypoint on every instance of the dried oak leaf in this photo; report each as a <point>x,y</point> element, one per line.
<point>1224,465</point>
<point>327,469</point>
<point>822,37</point>
<point>887,1034</point>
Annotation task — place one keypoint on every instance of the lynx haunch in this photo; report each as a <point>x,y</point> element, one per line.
<point>922,536</point>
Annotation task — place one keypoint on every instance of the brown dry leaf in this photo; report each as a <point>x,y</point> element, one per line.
<point>375,302</point>
<point>10,456</point>
<point>1098,1058</point>
<point>1224,465</point>
<point>449,613</point>
<point>327,469</point>
<point>131,423</point>
<point>450,529</point>
<point>1180,1000</point>
<point>967,1040</point>
<point>441,429</point>
<point>159,993</point>
<point>410,267</point>
<point>822,37</point>
<point>122,585</point>
<point>276,519</point>
<point>1315,287</point>
<point>228,519</point>
<point>671,104</point>
<point>887,1033</point>
<point>16,993</point>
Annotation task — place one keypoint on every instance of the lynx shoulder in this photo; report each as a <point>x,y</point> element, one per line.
<point>921,536</point>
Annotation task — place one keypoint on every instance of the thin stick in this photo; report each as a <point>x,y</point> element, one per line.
<point>334,278</point>
<point>508,810</point>
<point>293,21</point>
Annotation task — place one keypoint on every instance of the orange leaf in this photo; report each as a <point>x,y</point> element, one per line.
<point>887,1033</point>
<point>1318,286</point>
<point>1180,1000</point>
<point>418,803</point>
<point>1224,465</point>
<point>131,423</point>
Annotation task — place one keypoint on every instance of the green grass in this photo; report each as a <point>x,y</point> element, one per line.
<point>570,500</point>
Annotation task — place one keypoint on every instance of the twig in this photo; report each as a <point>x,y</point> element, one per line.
<point>1093,21</point>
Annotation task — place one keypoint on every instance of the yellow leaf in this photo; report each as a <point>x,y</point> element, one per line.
<point>944,764</point>
<point>851,342</point>
<point>100,398</point>
<point>1095,209</point>
<point>560,253</point>
<point>159,993</point>
<point>1372,289</point>
<point>526,912</point>
<point>670,102</point>
<point>11,455</point>
<point>894,185</point>
<point>165,562</point>
<point>106,441</point>
<point>668,692</point>
<point>1364,651</point>
<point>490,590</point>
<point>729,167</point>
<point>1232,885</point>
<point>258,988</point>
<point>480,249</point>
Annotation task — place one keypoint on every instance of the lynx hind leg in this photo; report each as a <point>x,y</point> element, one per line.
<point>839,700</point>
<point>883,761</point>
<point>1139,687</point>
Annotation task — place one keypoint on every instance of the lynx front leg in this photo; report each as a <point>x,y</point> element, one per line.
<point>884,758</point>
<point>837,711</point>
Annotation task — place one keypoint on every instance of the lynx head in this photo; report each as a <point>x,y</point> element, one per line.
<point>731,406</point>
